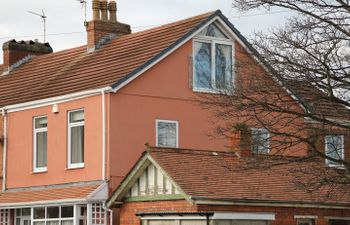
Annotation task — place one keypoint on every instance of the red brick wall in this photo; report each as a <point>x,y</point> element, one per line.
<point>284,215</point>
<point>1,146</point>
<point>128,210</point>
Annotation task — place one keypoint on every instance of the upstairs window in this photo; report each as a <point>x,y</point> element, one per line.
<point>40,144</point>
<point>260,141</point>
<point>76,124</point>
<point>167,133</point>
<point>213,61</point>
<point>334,149</point>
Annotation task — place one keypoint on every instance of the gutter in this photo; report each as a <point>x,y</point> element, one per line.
<point>4,157</point>
<point>268,203</point>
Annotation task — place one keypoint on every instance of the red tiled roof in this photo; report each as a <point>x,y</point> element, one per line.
<point>212,175</point>
<point>47,194</point>
<point>317,101</point>
<point>75,70</point>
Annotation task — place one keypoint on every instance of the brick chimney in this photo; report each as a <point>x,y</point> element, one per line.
<point>17,53</point>
<point>104,25</point>
<point>240,142</point>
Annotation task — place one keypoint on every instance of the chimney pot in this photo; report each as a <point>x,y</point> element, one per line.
<point>104,8</point>
<point>96,9</point>
<point>112,11</point>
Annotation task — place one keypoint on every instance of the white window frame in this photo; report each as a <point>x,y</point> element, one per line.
<point>35,132</point>
<point>60,219</point>
<point>268,139</point>
<point>70,126</point>
<point>328,162</point>
<point>213,41</point>
<point>168,121</point>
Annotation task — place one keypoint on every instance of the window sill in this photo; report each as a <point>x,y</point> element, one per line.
<point>76,166</point>
<point>211,91</point>
<point>339,167</point>
<point>38,171</point>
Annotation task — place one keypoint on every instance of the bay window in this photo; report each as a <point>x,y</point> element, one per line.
<point>76,139</point>
<point>213,61</point>
<point>40,144</point>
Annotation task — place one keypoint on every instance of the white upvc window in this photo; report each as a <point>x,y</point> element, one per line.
<point>334,148</point>
<point>40,144</point>
<point>260,141</point>
<point>213,61</point>
<point>53,215</point>
<point>167,133</point>
<point>4,217</point>
<point>23,216</point>
<point>76,123</point>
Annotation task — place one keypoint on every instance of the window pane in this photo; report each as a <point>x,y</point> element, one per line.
<point>67,211</point>
<point>260,141</point>
<point>54,222</point>
<point>202,65</point>
<point>26,212</point>
<point>39,213</point>
<point>67,222</point>
<point>334,147</point>
<point>41,149</point>
<point>53,212</point>
<point>77,144</point>
<point>167,134</point>
<point>76,116</point>
<point>41,122</point>
<point>194,222</point>
<point>18,212</point>
<point>161,222</point>
<point>212,31</point>
<point>223,66</point>
<point>39,223</point>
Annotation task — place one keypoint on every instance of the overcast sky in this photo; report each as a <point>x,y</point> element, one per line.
<point>65,18</point>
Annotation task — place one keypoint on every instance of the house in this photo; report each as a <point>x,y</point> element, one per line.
<point>75,121</point>
<point>170,186</point>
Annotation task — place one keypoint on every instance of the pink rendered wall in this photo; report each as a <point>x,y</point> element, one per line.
<point>163,92</point>
<point>20,145</point>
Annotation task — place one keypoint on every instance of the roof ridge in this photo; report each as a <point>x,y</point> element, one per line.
<point>190,151</point>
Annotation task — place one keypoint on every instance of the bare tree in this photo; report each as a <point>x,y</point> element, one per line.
<point>299,92</point>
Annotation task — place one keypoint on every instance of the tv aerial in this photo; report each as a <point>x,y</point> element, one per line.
<point>83,5</point>
<point>43,17</point>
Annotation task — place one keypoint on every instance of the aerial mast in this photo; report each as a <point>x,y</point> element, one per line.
<point>43,17</point>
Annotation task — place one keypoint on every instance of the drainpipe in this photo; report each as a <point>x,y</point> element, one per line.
<point>104,149</point>
<point>4,156</point>
<point>110,213</point>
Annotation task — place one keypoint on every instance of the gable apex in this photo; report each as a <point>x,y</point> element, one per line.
<point>146,181</point>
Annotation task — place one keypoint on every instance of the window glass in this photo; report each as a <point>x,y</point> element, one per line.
<point>213,31</point>
<point>77,144</point>
<point>67,211</point>
<point>41,122</point>
<point>53,212</point>
<point>167,134</point>
<point>39,213</point>
<point>77,116</point>
<point>202,65</point>
<point>26,212</point>
<point>334,148</point>
<point>161,222</point>
<point>260,141</point>
<point>223,66</point>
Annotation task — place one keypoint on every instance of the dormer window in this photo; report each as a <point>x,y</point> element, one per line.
<point>213,61</point>
<point>334,149</point>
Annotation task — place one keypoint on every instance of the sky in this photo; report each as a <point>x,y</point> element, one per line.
<point>65,18</point>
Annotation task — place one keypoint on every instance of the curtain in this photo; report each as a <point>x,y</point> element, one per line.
<point>202,65</point>
<point>223,66</point>
<point>77,144</point>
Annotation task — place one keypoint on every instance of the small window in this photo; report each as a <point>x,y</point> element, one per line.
<point>306,222</point>
<point>334,149</point>
<point>40,144</point>
<point>213,61</point>
<point>167,133</point>
<point>260,141</point>
<point>76,123</point>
